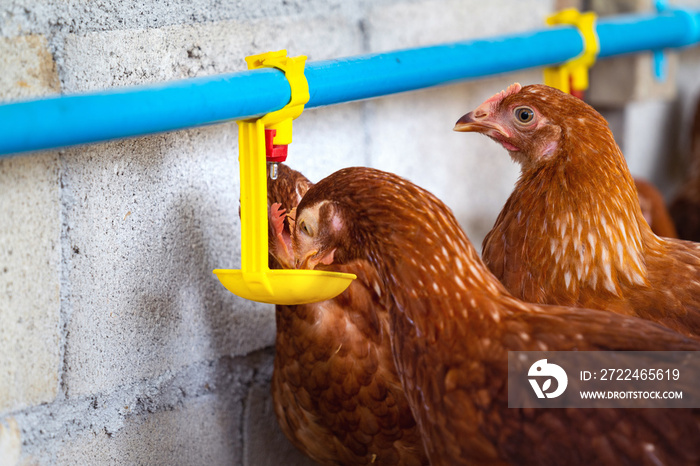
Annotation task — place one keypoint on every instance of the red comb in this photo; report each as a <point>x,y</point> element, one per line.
<point>512,89</point>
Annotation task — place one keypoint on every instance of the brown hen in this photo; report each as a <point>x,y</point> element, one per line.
<point>572,232</point>
<point>685,208</point>
<point>453,324</point>
<point>336,392</point>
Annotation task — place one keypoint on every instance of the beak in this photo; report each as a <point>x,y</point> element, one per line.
<point>467,123</point>
<point>478,121</point>
<point>307,262</point>
<point>477,124</point>
<point>313,258</point>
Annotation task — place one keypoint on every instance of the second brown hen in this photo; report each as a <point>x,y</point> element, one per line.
<point>572,232</point>
<point>336,392</point>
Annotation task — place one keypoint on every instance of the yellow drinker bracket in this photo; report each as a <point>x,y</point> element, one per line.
<point>573,75</point>
<point>293,68</point>
<point>255,280</point>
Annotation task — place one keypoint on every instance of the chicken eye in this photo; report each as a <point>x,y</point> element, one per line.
<point>524,114</point>
<point>305,228</point>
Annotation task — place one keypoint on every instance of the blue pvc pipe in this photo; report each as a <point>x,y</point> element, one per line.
<point>118,113</point>
<point>638,33</point>
<point>367,76</point>
<point>68,120</point>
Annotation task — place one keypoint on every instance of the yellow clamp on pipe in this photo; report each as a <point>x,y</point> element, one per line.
<point>574,73</point>
<point>293,68</point>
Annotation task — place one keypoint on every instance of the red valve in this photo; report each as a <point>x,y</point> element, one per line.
<point>576,93</point>
<point>275,152</point>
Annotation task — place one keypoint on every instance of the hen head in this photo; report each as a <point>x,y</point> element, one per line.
<point>329,221</point>
<point>535,123</point>
<point>283,196</point>
<point>358,213</point>
<point>288,188</point>
<point>317,235</point>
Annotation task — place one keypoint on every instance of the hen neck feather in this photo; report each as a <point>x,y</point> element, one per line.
<point>578,214</point>
<point>424,257</point>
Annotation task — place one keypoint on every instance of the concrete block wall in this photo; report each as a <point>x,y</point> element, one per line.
<point>119,346</point>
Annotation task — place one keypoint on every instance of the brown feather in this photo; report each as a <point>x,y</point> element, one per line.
<point>572,232</point>
<point>336,392</point>
<point>453,324</point>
